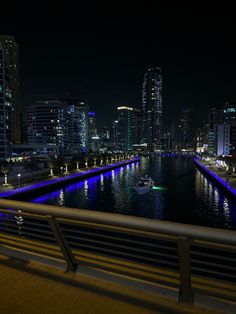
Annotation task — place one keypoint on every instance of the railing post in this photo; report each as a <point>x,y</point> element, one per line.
<point>185,292</point>
<point>66,251</point>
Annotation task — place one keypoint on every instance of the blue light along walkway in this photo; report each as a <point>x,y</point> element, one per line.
<point>57,182</point>
<point>218,180</point>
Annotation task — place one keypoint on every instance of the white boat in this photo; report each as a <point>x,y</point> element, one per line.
<point>144,185</point>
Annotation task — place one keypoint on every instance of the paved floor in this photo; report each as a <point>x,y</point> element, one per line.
<point>29,287</point>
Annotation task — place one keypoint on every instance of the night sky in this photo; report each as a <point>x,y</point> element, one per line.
<point>104,52</point>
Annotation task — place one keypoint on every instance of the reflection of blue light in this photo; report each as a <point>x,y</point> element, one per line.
<point>217,178</point>
<point>91,114</point>
<point>2,216</point>
<point>80,175</point>
<point>92,184</point>
<point>45,197</point>
<point>75,186</point>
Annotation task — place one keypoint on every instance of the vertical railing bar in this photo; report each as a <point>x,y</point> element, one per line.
<point>185,292</point>
<point>66,251</point>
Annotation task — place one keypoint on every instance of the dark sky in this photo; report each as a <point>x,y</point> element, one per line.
<point>105,51</point>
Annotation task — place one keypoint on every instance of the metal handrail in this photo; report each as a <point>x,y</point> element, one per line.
<point>120,220</point>
<point>184,237</point>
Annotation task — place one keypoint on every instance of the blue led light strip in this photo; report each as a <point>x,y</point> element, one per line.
<point>218,179</point>
<point>80,175</point>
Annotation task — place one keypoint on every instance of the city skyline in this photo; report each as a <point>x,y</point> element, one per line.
<point>106,53</point>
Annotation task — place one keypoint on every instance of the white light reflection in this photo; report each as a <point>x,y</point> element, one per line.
<point>61,198</point>
<point>216,196</point>
<point>102,182</point>
<point>226,214</point>
<point>113,175</point>
<point>86,188</point>
<point>226,208</point>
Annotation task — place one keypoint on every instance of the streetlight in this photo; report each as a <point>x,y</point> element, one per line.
<point>51,172</point>
<point>66,165</point>
<point>61,170</point>
<point>77,166</point>
<point>19,175</point>
<point>5,180</point>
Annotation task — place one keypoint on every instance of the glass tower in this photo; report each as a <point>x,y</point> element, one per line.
<point>6,109</point>
<point>11,53</point>
<point>128,122</point>
<point>152,109</point>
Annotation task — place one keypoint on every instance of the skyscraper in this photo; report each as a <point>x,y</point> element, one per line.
<point>216,116</point>
<point>226,132</point>
<point>11,53</point>
<point>186,136</point>
<point>5,108</point>
<point>152,108</point>
<point>92,131</point>
<point>128,127</point>
<point>76,126</point>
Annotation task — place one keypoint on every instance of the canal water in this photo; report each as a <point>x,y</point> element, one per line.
<point>186,196</point>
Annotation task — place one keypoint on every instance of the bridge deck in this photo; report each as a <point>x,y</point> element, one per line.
<point>29,287</point>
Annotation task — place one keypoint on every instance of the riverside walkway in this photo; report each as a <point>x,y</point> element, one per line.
<point>32,288</point>
<point>54,182</point>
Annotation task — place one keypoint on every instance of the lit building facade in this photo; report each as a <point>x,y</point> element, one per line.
<point>222,130</point>
<point>186,134</point>
<point>93,138</point>
<point>76,126</point>
<point>115,135</point>
<point>11,53</point>
<point>202,137</point>
<point>128,127</point>
<point>6,108</point>
<point>216,116</point>
<point>46,127</point>
<point>223,139</point>
<point>152,109</point>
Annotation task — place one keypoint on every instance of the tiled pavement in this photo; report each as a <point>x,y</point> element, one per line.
<point>29,287</point>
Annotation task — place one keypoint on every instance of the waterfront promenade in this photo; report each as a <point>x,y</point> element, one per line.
<point>227,182</point>
<point>54,182</point>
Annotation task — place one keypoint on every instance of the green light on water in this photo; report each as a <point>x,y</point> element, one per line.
<point>158,188</point>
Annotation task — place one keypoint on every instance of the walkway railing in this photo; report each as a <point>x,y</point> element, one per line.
<point>193,259</point>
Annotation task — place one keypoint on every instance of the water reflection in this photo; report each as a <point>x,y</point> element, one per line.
<point>86,186</point>
<point>219,208</point>
<point>188,196</point>
<point>61,200</point>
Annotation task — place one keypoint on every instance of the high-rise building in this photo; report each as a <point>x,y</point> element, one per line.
<point>216,116</point>
<point>58,126</point>
<point>227,131</point>
<point>128,127</point>
<point>202,137</point>
<point>76,126</point>
<point>186,136</point>
<point>229,110</point>
<point>115,135</point>
<point>46,127</point>
<point>92,131</point>
<point>11,55</point>
<point>152,108</point>
<point>6,109</point>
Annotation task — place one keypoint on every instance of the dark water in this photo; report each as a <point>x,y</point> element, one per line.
<point>187,196</point>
